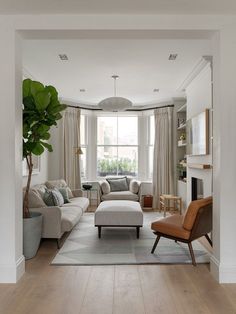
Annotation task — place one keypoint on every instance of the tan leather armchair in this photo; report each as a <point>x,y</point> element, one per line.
<point>196,222</point>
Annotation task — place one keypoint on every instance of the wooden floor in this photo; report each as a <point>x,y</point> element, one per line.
<point>46,289</point>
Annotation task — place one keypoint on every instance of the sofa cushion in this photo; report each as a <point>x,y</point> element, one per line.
<point>171,226</point>
<point>119,184</point>
<point>70,215</point>
<point>105,186</point>
<point>65,194</point>
<point>81,202</point>
<point>35,199</point>
<point>121,195</point>
<point>53,198</point>
<point>59,184</point>
<point>134,186</point>
<point>41,188</point>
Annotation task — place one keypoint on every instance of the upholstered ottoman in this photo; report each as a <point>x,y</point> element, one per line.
<point>118,213</point>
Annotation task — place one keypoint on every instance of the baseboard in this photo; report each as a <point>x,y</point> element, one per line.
<point>11,273</point>
<point>223,273</point>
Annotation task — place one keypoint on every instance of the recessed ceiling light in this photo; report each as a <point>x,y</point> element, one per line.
<point>82,90</point>
<point>63,57</point>
<point>173,56</point>
<point>156,90</point>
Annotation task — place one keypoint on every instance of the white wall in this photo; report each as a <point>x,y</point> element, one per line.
<point>199,98</point>
<point>11,258</point>
<point>54,158</point>
<point>42,176</point>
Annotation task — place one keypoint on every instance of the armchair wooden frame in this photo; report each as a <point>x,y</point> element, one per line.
<point>201,227</point>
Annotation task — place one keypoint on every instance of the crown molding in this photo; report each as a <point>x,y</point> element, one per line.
<point>195,71</point>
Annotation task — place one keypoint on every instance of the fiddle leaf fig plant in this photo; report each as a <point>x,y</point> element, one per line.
<point>41,110</point>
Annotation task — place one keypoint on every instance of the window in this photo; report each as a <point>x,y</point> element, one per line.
<point>117,145</point>
<point>151,138</point>
<point>83,144</point>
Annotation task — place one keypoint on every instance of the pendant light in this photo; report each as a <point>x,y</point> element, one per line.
<point>115,103</point>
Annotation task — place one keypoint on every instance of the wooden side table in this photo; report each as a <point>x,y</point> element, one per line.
<point>167,199</point>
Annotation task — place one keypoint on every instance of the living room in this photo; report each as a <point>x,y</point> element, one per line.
<point>91,164</point>
<point>107,147</point>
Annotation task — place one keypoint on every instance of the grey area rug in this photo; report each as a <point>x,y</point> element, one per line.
<point>119,246</point>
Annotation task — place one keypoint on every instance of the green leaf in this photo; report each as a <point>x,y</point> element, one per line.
<point>42,100</point>
<point>37,149</point>
<point>43,128</point>
<point>53,92</point>
<point>26,88</point>
<point>48,146</point>
<point>58,116</point>
<point>63,107</point>
<point>28,103</point>
<point>36,87</point>
<point>45,136</point>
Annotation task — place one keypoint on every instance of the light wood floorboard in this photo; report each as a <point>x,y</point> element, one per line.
<point>149,289</point>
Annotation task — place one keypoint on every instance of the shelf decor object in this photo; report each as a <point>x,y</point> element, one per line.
<point>199,166</point>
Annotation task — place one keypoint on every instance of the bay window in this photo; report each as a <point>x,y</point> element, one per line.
<point>117,145</point>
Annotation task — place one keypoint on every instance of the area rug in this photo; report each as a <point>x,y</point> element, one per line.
<point>119,246</point>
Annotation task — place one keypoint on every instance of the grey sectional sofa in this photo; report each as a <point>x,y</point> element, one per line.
<point>57,220</point>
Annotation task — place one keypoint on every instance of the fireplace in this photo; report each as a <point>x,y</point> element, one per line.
<point>197,189</point>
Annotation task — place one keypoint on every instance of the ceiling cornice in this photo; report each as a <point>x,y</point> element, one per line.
<point>195,71</point>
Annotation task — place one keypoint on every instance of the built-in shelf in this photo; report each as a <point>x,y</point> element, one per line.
<point>182,145</point>
<point>199,166</point>
<point>183,164</point>
<point>182,108</point>
<point>182,181</point>
<point>181,127</point>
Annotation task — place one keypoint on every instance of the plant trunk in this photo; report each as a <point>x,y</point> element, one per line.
<point>26,213</point>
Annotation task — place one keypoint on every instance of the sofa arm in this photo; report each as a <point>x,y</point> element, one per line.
<point>51,221</point>
<point>77,193</point>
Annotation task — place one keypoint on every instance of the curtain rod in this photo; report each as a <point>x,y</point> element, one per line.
<point>98,109</point>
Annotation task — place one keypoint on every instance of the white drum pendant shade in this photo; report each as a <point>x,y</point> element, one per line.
<point>115,104</point>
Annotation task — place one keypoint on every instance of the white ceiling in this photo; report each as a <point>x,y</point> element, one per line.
<point>141,64</point>
<point>118,6</point>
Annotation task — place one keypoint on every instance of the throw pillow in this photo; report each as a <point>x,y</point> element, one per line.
<point>134,186</point>
<point>53,198</point>
<point>70,194</point>
<point>59,184</point>
<point>119,184</point>
<point>35,199</point>
<point>105,187</point>
<point>65,194</point>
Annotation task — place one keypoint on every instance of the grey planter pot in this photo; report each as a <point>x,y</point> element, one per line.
<point>32,231</point>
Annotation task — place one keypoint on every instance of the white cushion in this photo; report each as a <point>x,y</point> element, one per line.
<point>59,184</point>
<point>69,217</point>
<point>121,195</point>
<point>134,186</point>
<point>105,186</point>
<point>35,199</point>
<point>119,213</point>
<point>41,188</point>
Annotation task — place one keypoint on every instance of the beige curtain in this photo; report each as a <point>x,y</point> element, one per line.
<point>70,145</point>
<point>163,172</point>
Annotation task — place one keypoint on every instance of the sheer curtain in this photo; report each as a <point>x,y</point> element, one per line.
<point>70,145</point>
<point>163,172</point>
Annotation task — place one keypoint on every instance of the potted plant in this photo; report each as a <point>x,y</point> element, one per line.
<point>41,110</point>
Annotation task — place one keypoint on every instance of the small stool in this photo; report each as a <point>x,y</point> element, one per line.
<point>166,199</point>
